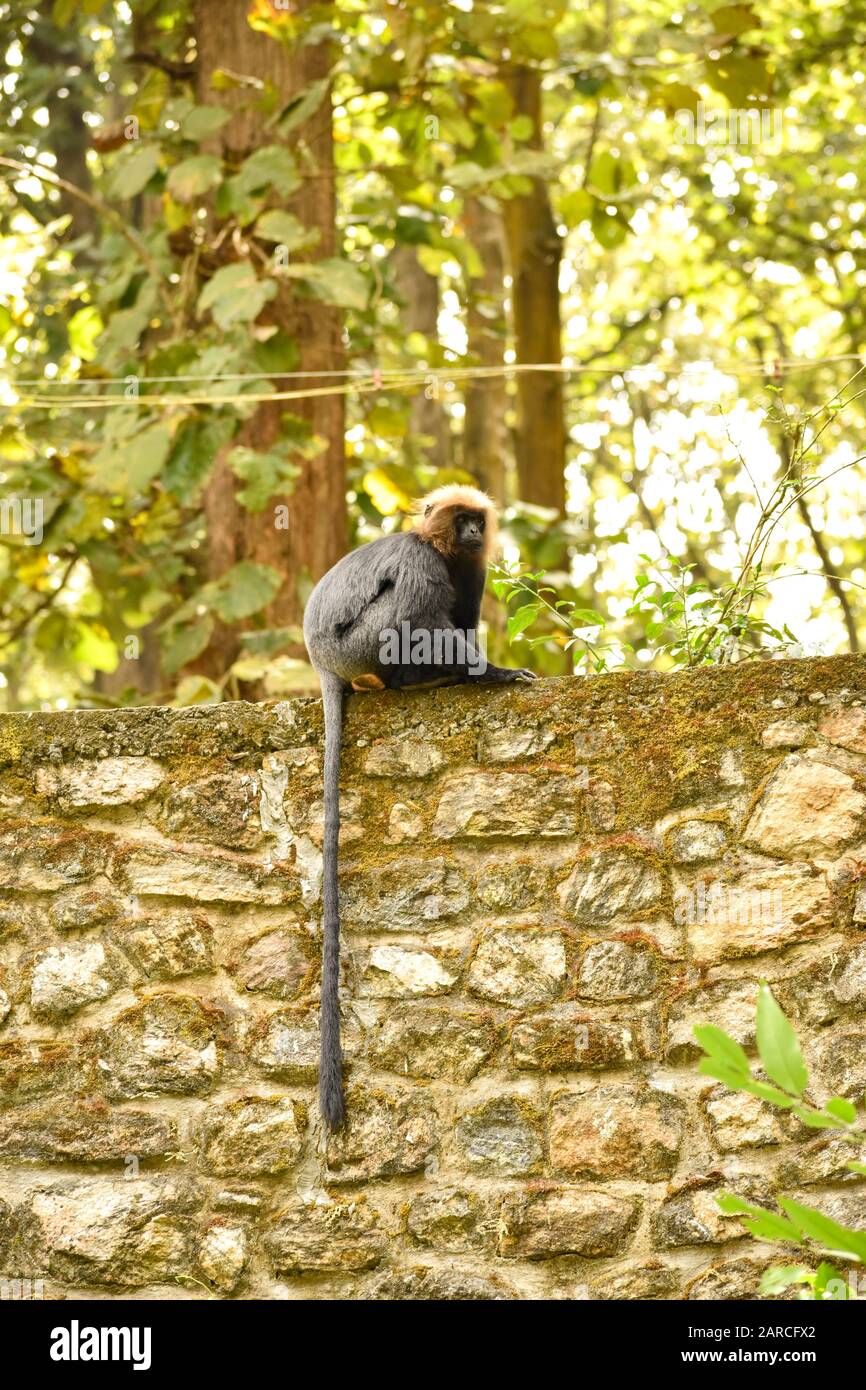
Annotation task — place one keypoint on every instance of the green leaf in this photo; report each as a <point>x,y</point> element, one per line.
<point>183,642</point>
<point>93,647</point>
<point>576,207</point>
<point>266,474</point>
<point>824,1230</point>
<point>203,122</point>
<point>272,166</point>
<point>193,455</point>
<point>196,690</point>
<point>842,1109</point>
<point>84,328</point>
<point>335,281</point>
<point>718,1045</point>
<point>241,591</point>
<point>778,1047</point>
<point>193,177</point>
<point>813,1119</point>
<point>302,107</point>
<point>524,617</point>
<point>285,228</point>
<point>768,1225</point>
<point>856,1167</point>
<point>235,294</point>
<point>782,1277</point>
<point>127,467</point>
<point>134,170</point>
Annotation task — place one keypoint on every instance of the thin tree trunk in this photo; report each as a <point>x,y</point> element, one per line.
<point>534,248</point>
<point>317,534</point>
<point>420,314</point>
<point>485,437</point>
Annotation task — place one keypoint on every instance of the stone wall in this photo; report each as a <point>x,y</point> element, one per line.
<point>544,889</point>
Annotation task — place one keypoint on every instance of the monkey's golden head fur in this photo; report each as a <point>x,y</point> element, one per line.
<point>436,511</point>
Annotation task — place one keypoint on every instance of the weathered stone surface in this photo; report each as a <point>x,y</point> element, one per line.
<point>384,1135</point>
<point>730,1279</point>
<point>500,1137</point>
<point>616,1131</point>
<point>692,1216</point>
<point>566,1038</point>
<point>397,972</point>
<point>611,970</point>
<point>440,1286</point>
<point>839,1059</point>
<point>758,910</point>
<point>511,804</point>
<point>729,1005</point>
<point>807,810</point>
<point>167,1045</point>
<point>512,743</point>
<point>738,1121</point>
<point>537,1225</point>
<point>648,1281</point>
<point>250,1136</point>
<point>111,1231</point>
<point>848,983</point>
<point>511,886</point>
<point>406,896</point>
<point>327,1237</point>
<point>222,809</point>
<point>223,1254</point>
<point>785,733</point>
<point>31,1067</point>
<point>449,1219</point>
<point>41,858</point>
<point>65,978</point>
<point>167,947</point>
<point>84,1133</point>
<point>607,884</point>
<point>286,1045</point>
<point>280,964</point>
<point>845,727</point>
<point>206,878</point>
<point>100,781</point>
<point>518,966</point>
<point>428,1043</point>
<point>485,1156</point>
<point>824,1159</point>
<point>405,822</point>
<point>696,841</point>
<point>83,908</point>
<point>403,757</point>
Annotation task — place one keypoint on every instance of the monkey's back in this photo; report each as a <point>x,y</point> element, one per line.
<point>380,585</point>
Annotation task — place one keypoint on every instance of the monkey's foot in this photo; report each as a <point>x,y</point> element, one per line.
<point>369,682</point>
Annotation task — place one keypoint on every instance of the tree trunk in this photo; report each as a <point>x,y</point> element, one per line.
<point>485,439</point>
<point>317,533</point>
<point>420,294</point>
<point>534,254</point>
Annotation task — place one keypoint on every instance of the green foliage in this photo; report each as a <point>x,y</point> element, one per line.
<point>782,1062</point>
<point>178,271</point>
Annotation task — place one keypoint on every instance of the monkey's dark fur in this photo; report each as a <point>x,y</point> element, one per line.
<point>433,578</point>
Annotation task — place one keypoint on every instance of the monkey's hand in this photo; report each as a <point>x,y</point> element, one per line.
<point>505,675</point>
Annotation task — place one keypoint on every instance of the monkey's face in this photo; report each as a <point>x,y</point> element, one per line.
<point>469,531</point>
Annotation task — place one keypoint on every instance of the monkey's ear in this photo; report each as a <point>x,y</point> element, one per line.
<point>428,509</point>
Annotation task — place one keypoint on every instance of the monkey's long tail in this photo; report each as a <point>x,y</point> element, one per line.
<point>331,1101</point>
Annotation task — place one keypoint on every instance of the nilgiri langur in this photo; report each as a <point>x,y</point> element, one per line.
<point>400,611</point>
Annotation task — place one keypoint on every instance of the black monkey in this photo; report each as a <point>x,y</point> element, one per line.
<point>428,581</point>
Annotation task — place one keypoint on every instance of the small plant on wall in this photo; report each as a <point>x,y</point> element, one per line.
<point>782,1082</point>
